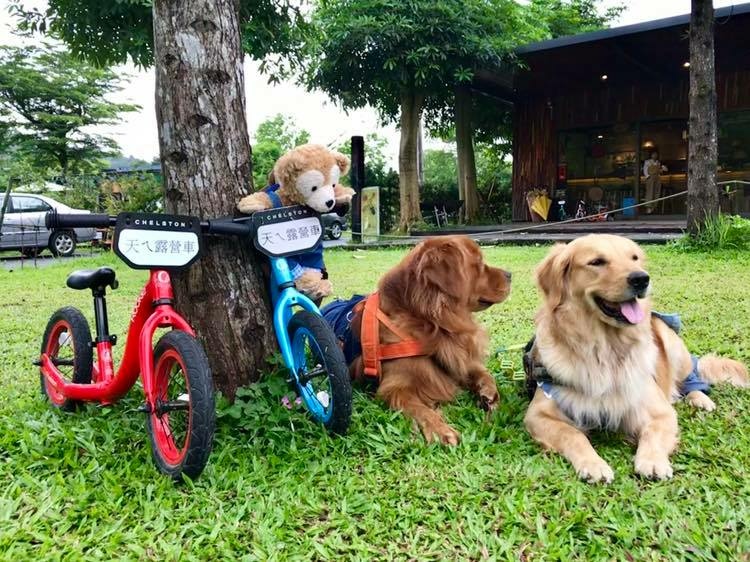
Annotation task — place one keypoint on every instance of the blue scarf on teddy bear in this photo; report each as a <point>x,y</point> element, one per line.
<point>309,260</point>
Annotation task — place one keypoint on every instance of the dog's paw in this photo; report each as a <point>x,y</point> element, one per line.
<point>595,470</point>
<point>489,399</point>
<point>698,399</point>
<point>653,467</point>
<point>445,435</point>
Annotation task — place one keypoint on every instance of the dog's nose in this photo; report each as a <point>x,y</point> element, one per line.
<point>330,203</point>
<point>638,280</point>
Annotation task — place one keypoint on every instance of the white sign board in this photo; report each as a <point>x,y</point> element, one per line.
<point>155,241</point>
<point>158,248</point>
<point>288,238</point>
<point>287,231</point>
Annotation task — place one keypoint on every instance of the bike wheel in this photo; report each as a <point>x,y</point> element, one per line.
<point>182,424</point>
<point>322,378</point>
<point>67,342</point>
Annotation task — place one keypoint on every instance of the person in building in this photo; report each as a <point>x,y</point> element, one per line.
<point>652,169</point>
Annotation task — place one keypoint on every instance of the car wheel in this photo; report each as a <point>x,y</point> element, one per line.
<point>62,243</point>
<point>334,233</point>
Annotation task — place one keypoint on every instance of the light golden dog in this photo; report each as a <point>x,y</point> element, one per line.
<point>611,364</point>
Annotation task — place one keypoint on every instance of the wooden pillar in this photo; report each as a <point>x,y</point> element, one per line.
<point>534,152</point>
<point>357,178</point>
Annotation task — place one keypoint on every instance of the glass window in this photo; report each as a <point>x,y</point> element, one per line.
<point>24,204</point>
<point>598,166</point>
<point>734,161</point>
<point>665,143</point>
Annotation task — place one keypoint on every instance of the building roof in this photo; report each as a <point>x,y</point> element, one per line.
<point>676,21</point>
<point>642,54</point>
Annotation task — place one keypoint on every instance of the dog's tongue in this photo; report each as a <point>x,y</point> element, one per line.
<point>632,311</point>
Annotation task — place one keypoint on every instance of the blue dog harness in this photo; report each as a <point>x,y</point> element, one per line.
<point>539,377</point>
<point>312,259</point>
<point>339,315</point>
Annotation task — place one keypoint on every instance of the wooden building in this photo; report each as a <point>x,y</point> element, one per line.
<point>590,109</point>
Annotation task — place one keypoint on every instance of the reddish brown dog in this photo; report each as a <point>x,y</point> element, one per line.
<point>432,296</point>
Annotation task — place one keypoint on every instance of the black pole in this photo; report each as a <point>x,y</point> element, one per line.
<point>357,176</point>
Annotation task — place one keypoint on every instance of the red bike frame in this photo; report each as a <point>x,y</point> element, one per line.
<point>153,310</point>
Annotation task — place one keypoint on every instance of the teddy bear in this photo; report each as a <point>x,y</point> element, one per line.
<point>306,175</point>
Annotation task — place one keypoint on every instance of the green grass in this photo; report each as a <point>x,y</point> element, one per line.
<point>83,485</point>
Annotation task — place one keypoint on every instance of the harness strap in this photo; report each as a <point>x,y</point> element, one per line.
<point>373,352</point>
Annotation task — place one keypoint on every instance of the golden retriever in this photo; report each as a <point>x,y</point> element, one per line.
<point>431,296</point>
<point>611,364</point>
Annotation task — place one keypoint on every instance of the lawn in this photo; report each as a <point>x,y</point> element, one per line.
<point>278,488</point>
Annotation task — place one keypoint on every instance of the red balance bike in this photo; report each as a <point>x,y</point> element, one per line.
<point>177,383</point>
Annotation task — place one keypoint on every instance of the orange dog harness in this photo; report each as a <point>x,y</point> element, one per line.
<point>373,352</point>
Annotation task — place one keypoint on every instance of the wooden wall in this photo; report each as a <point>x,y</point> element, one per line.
<point>538,119</point>
<point>534,152</point>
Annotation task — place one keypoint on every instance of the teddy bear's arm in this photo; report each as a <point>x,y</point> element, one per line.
<point>343,194</point>
<point>257,201</point>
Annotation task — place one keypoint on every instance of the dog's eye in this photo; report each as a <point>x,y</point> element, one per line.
<point>315,188</point>
<point>598,261</point>
<point>635,258</point>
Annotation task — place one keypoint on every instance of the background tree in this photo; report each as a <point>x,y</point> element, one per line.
<point>703,195</point>
<point>49,97</point>
<point>108,33</point>
<point>376,173</point>
<point>569,17</point>
<point>440,176</point>
<point>205,152</point>
<point>274,137</point>
<point>403,57</point>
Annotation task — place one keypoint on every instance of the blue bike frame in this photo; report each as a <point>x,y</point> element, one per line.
<point>284,297</point>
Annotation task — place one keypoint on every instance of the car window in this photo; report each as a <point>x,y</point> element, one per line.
<point>23,204</point>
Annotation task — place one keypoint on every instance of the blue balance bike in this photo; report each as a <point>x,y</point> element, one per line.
<point>309,348</point>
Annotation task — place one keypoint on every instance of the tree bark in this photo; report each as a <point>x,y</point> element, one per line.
<point>205,156</point>
<point>703,196</point>
<point>408,180</point>
<point>467,169</point>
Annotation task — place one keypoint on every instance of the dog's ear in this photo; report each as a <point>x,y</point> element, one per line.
<point>552,275</point>
<point>443,267</point>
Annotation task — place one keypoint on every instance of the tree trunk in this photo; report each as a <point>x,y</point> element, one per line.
<point>205,156</point>
<point>467,168</point>
<point>408,173</point>
<point>703,196</point>
<point>420,156</point>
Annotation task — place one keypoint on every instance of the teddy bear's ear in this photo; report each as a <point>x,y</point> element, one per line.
<point>342,161</point>
<point>286,169</point>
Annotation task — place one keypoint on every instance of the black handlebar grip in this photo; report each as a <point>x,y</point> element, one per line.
<point>54,220</point>
<point>228,227</point>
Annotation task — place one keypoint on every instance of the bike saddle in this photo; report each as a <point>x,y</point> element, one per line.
<point>92,278</point>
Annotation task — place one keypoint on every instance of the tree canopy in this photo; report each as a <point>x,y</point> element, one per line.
<point>48,98</point>
<point>110,32</point>
<point>366,52</point>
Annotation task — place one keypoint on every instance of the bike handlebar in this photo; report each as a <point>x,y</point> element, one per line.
<point>227,227</point>
<point>224,226</point>
<point>54,220</point>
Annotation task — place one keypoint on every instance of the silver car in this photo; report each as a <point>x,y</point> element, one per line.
<point>24,230</point>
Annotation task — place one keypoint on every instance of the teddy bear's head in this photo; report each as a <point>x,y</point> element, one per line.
<point>308,174</point>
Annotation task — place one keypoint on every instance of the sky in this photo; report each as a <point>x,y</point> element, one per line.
<point>313,111</point>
